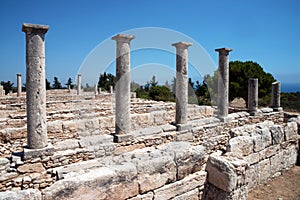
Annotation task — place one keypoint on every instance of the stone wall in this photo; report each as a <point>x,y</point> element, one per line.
<point>160,161</point>
<point>254,154</point>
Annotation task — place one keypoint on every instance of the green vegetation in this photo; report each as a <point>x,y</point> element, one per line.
<point>202,93</point>
<point>239,74</point>
<point>106,80</point>
<point>290,101</point>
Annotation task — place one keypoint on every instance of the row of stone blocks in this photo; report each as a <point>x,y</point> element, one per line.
<point>64,153</point>
<point>254,154</point>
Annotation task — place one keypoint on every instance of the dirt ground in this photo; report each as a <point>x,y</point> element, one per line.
<point>285,187</point>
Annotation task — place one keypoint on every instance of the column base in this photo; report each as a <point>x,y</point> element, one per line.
<point>36,153</point>
<point>183,127</point>
<point>254,112</point>
<point>225,119</point>
<point>122,138</point>
<point>279,109</point>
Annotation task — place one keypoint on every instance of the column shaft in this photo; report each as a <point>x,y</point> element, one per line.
<point>19,85</point>
<point>78,84</point>
<point>181,82</point>
<point>276,96</point>
<point>252,94</point>
<point>123,122</point>
<point>35,85</point>
<point>223,82</point>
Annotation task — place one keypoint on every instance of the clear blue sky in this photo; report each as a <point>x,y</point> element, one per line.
<point>265,31</point>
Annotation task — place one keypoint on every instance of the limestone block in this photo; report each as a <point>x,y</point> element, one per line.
<point>30,168</point>
<point>277,134</point>
<point>188,159</point>
<point>277,162</point>
<point>290,131</point>
<point>158,117</point>
<point>147,196</point>
<point>30,194</point>
<point>154,172</point>
<point>241,144</point>
<point>252,175</point>
<point>180,187</point>
<point>265,170</point>
<point>66,144</point>
<point>290,156</point>
<point>266,136</point>
<point>225,172</point>
<point>100,183</point>
<point>252,158</point>
<point>268,152</point>
<point>95,140</point>
<point>191,195</point>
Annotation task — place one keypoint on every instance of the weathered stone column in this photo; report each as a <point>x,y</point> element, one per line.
<point>19,85</point>
<point>78,84</point>
<point>111,89</point>
<point>123,122</point>
<point>276,96</point>
<point>96,89</point>
<point>1,90</point>
<point>252,95</point>
<point>181,82</point>
<point>35,85</point>
<point>223,83</point>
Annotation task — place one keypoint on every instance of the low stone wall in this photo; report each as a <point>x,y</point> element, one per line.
<point>75,157</point>
<point>255,153</point>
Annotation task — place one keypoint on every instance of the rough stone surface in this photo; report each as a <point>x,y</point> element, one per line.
<point>181,81</point>
<point>30,194</point>
<point>252,94</point>
<point>35,86</point>
<point>223,82</point>
<point>241,144</point>
<point>180,187</point>
<point>123,123</point>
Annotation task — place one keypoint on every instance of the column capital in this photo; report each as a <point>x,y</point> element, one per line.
<point>182,45</point>
<point>34,28</point>
<point>223,50</point>
<point>123,37</point>
<point>19,74</point>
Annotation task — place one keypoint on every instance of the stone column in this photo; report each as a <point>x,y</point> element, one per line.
<point>223,83</point>
<point>19,85</point>
<point>78,84</point>
<point>99,90</point>
<point>111,89</point>
<point>252,95</point>
<point>35,85</point>
<point>181,82</point>
<point>96,89</point>
<point>276,96</point>
<point>122,87</point>
<point>1,91</point>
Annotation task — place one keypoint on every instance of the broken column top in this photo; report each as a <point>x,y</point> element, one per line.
<point>223,50</point>
<point>182,44</point>
<point>277,82</point>
<point>34,28</point>
<point>124,37</point>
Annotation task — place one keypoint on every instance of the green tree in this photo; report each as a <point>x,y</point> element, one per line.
<point>56,84</point>
<point>69,83</point>
<point>239,74</point>
<point>153,81</point>
<point>48,85</point>
<point>106,80</point>
<point>160,93</point>
<point>7,86</point>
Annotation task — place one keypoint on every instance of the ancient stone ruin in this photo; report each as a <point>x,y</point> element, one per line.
<point>70,144</point>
